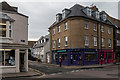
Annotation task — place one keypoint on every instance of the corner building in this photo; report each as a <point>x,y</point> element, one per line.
<point>81,36</point>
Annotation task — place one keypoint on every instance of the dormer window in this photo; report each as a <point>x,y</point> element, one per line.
<point>103,17</point>
<point>88,11</point>
<point>65,13</point>
<point>58,17</point>
<point>97,15</point>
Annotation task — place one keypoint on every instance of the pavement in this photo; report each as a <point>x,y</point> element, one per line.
<point>36,72</point>
<point>31,72</point>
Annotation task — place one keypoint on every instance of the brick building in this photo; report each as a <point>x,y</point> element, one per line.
<point>81,36</point>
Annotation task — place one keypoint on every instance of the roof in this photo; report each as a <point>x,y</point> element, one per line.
<point>6,17</point>
<point>77,11</point>
<point>5,7</point>
<point>42,44</point>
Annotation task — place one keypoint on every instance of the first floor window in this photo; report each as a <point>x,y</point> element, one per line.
<point>53,43</point>
<point>118,42</point>
<point>2,30</point>
<point>103,42</point>
<point>66,41</point>
<point>86,40</point>
<point>58,42</point>
<point>109,42</point>
<point>95,41</point>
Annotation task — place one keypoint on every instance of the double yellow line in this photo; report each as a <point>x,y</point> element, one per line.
<point>43,74</point>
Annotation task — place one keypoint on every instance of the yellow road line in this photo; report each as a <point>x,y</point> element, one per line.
<point>43,74</point>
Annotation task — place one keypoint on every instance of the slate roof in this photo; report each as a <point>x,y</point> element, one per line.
<point>5,7</point>
<point>77,11</point>
<point>6,17</point>
<point>41,44</point>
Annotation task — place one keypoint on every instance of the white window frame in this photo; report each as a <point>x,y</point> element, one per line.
<point>97,15</point>
<point>58,42</point>
<point>89,12</point>
<point>118,42</point>
<point>58,29</point>
<point>65,26</point>
<point>53,43</point>
<point>109,30</point>
<point>118,31</point>
<point>109,42</point>
<point>102,28</point>
<point>103,42</point>
<point>86,40</point>
<point>95,25</point>
<point>86,24</point>
<point>66,40</point>
<point>95,41</point>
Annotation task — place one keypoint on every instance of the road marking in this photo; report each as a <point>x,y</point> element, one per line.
<point>43,74</point>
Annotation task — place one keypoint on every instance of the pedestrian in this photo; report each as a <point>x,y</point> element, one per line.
<point>60,61</point>
<point>80,58</point>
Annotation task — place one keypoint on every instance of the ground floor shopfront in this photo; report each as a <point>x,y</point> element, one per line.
<point>13,58</point>
<point>80,56</point>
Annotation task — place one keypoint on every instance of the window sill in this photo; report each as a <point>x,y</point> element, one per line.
<point>7,66</point>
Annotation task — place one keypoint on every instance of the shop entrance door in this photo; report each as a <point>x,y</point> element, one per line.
<point>22,62</point>
<point>74,59</point>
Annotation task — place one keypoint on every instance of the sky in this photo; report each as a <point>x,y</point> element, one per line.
<point>42,13</point>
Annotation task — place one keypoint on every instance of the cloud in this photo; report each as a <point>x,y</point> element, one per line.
<point>42,14</point>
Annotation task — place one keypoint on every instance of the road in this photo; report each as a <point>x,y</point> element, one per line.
<point>54,72</point>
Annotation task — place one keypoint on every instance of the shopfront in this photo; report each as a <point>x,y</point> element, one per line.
<point>106,56</point>
<point>75,56</point>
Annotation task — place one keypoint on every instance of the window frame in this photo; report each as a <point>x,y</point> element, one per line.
<point>86,25</point>
<point>58,42</point>
<point>66,41</point>
<point>95,41</point>
<point>65,26</point>
<point>86,40</point>
<point>109,42</point>
<point>95,25</point>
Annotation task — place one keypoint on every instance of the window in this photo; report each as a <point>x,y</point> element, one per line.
<point>109,42</point>
<point>53,31</point>
<point>95,41</point>
<point>63,56</point>
<point>55,56</point>
<point>3,30</point>
<point>88,11</point>
<point>102,28</point>
<point>97,15</point>
<point>109,55</point>
<point>104,17</point>
<point>86,25</point>
<point>118,42</point>
<point>103,42</point>
<point>118,31</point>
<point>90,56</point>
<point>7,57</point>
<point>58,42</point>
<point>66,41</point>
<point>10,30</point>
<point>65,26</point>
<point>58,28</point>
<point>95,27</point>
<point>86,40</point>
<point>53,43</point>
<point>109,30</point>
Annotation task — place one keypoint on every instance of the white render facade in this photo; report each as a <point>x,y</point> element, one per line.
<point>41,49</point>
<point>13,40</point>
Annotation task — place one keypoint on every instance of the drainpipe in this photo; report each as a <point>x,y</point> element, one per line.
<point>101,40</point>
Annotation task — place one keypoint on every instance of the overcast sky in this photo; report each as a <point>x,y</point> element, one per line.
<point>42,13</point>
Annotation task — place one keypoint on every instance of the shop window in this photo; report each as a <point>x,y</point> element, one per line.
<point>7,57</point>
<point>55,56</point>
<point>75,57</point>
<point>102,55</point>
<point>109,55</point>
<point>63,56</point>
<point>90,56</point>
